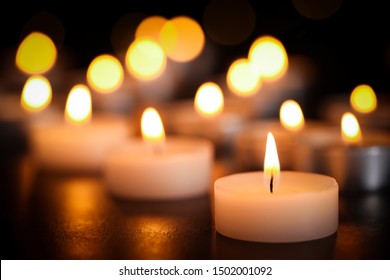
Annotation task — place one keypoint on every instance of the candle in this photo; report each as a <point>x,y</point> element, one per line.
<point>276,207</point>
<point>357,158</point>
<point>372,110</point>
<point>249,145</point>
<point>80,142</point>
<point>206,116</point>
<point>159,167</point>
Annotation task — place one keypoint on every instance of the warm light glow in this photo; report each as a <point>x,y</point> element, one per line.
<point>242,79</point>
<point>350,129</point>
<point>271,163</point>
<point>36,94</point>
<point>152,129</point>
<point>36,54</point>
<point>78,107</point>
<point>268,57</point>
<point>150,27</point>
<point>145,59</point>
<point>291,116</point>
<point>363,99</point>
<point>182,38</point>
<point>105,74</point>
<point>209,99</point>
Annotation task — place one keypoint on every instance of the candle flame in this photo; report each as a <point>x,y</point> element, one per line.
<point>350,129</point>
<point>36,94</point>
<point>153,129</point>
<point>363,99</point>
<point>78,107</point>
<point>209,100</point>
<point>271,163</point>
<point>291,116</point>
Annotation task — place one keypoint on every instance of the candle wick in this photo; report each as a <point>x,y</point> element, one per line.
<point>271,183</point>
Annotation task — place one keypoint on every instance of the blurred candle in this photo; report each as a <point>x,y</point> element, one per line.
<point>357,158</point>
<point>159,167</point>
<point>80,142</point>
<point>205,117</point>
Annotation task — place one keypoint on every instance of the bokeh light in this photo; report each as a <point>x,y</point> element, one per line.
<point>242,79</point>
<point>150,27</point>
<point>268,57</point>
<point>291,115</point>
<point>105,74</point>
<point>145,59</point>
<point>78,108</point>
<point>36,54</point>
<point>182,38</point>
<point>363,99</point>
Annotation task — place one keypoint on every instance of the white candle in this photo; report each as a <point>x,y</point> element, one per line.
<point>249,146</point>
<point>206,116</point>
<point>276,208</point>
<point>159,168</point>
<point>66,146</point>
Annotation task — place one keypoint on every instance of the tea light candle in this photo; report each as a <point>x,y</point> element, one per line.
<point>276,207</point>
<point>159,167</point>
<point>358,159</point>
<point>249,145</point>
<point>372,110</point>
<point>80,143</point>
<point>205,117</point>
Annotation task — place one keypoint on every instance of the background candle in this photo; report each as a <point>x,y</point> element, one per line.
<point>358,163</point>
<point>206,116</point>
<point>79,144</point>
<point>249,145</point>
<point>159,168</point>
<point>301,207</point>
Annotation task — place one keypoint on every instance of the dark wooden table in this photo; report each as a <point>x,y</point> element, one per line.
<point>72,216</point>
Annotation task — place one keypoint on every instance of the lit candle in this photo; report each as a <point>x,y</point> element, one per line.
<point>159,167</point>
<point>249,146</point>
<point>358,159</point>
<point>274,206</point>
<point>80,142</point>
<point>372,110</point>
<point>206,116</point>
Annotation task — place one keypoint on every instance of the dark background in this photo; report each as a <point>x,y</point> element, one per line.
<point>350,47</point>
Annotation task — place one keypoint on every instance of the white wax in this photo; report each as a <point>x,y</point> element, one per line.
<point>182,170</point>
<point>61,146</point>
<point>303,207</point>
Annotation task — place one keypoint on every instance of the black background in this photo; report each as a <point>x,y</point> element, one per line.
<point>350,47</point>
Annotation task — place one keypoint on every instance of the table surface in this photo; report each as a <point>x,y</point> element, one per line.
<point>73,216</point>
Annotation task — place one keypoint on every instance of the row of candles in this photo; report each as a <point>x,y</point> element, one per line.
<point>265,206</point>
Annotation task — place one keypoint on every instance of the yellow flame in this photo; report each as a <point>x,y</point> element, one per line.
<point>182,38</point>
<point>152,129</point>
<point>268,57</point>
<point>36,94</point>
<point>78,107</point>
<point>350,129</point>
<point>105,73</point>
<point>363,99</point>
<point>36,54</point>
<point>291,116</point>
<point>271,163</point>
<point>241,79</point>
<point>209,99</point>
<point>150,27</point>
<point>145,59</point>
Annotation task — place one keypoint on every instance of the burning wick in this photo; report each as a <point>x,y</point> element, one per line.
<point>271,183</point>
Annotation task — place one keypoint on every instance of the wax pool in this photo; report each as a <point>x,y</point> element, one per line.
<point>303,207</point>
